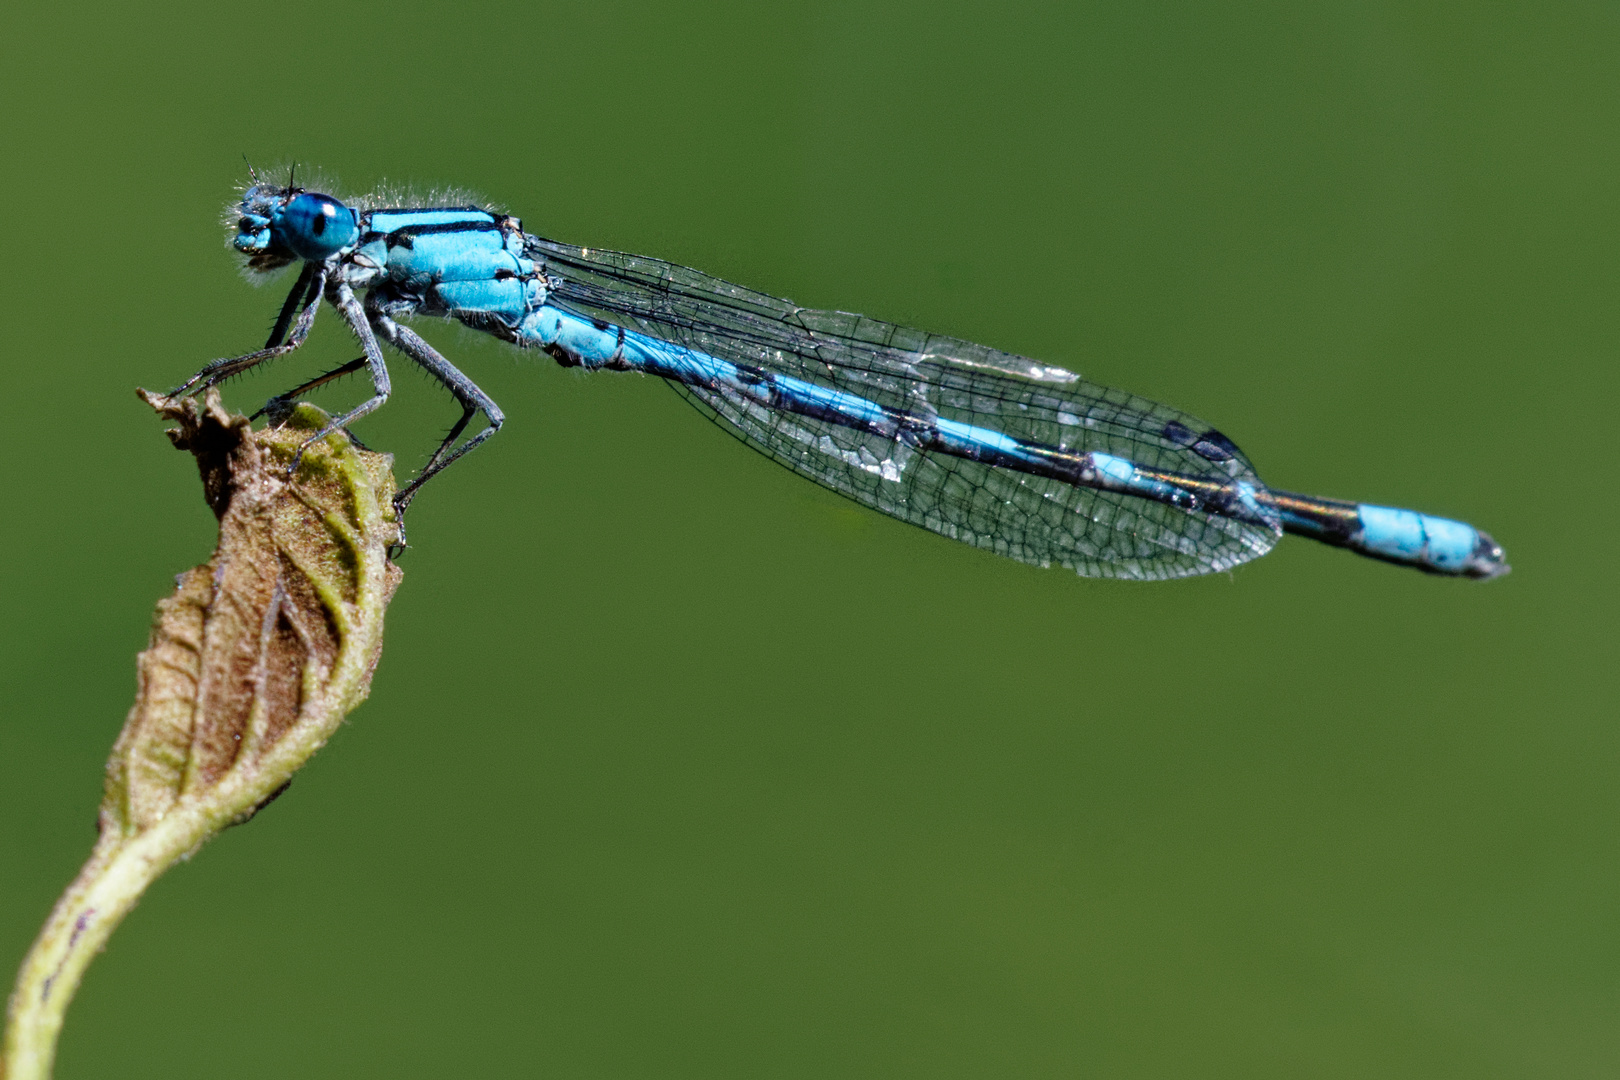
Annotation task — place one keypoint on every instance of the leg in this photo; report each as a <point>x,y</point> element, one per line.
<point>278,406</point>
<point>472,399</point>
<point>306,292</point>
<point>222,369</point>
<point>342,298</point>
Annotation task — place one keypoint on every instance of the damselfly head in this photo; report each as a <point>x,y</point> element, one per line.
<point>278,225</point>
<point>254,237</point>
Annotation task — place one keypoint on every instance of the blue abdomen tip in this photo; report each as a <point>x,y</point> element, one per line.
<point>1431,543</point>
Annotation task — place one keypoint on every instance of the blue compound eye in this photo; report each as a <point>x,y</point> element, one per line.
<point>316,227</point>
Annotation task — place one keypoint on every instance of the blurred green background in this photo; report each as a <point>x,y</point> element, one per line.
<point>678,766</point>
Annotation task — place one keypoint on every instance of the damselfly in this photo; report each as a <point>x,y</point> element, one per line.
<point>1006,453</point>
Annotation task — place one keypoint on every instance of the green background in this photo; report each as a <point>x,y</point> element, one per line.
<point>678,766</point>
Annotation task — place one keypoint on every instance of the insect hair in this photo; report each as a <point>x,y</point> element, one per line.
<point>308,178</point>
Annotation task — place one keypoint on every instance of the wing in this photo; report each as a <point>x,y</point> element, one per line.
<point>1032,518</point>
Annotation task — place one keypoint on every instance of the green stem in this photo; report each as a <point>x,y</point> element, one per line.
<point>118,872</point>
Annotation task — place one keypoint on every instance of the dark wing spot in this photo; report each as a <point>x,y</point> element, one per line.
<point>1179,434</point>
<point>1213,446</point>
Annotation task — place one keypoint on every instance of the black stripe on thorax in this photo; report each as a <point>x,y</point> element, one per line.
<point>404,235</point>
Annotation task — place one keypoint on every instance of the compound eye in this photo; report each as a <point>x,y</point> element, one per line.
<point>316,227</point>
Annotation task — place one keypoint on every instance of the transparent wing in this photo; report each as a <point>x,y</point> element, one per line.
<point>1032,518</point>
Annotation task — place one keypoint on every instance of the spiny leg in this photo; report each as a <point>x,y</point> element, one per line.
<point>472,399</point>
<point>279,406</point>
<point>343,299</point>
<point>222,369</point>
<point>305,292</point>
